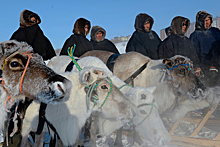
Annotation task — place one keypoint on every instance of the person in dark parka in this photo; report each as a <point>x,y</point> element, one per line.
<point>80,30</point>
<point>99,42</point>
<point>211,65</point>
<point>178,44</point>
<point>144,40</point>
<point>204,34</point>
<point>30,32</point>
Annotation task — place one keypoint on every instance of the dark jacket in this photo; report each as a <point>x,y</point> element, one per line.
<point>78,38</point>
<point>31,33</point>
<point>103,44</point>
<point>177,43</point>
<point>213,56</point>
<point>202,38</point>
<point>142,41</point>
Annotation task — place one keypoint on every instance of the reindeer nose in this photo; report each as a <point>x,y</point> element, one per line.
<point>61,83</point>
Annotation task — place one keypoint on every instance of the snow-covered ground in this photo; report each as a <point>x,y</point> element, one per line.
<point>183,129</point>
<point>121,46</point>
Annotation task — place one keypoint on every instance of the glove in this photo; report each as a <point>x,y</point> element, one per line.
<point>212,68</point>
<point>198,70</point>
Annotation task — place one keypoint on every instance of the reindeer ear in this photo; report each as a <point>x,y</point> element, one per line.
<point>169,63</point>
<point>86,78</point>
<point>100,73</point>
<point>151,89</point>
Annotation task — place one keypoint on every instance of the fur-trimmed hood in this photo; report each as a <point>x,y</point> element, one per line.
<point>9,47</point>
<point>177,23</point>
<point>200,20</point>
<point>79,26</point>
<point>25,18</point>
<point>95,30</point>
<point>140,21</point>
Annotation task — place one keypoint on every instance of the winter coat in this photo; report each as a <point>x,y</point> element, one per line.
<point>142,41</point>
<point>31,33</point>
<point>202,38</point>
<point>177,43</point>
<point>213,56</point>
<point>103,44</point>
<point>78,38</point>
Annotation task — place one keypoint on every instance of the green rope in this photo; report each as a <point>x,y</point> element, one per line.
<point>70,53</point>
<point>152,105</point>
<point>89,94</point>
<point>125,85</point>
<point>93,87</point>
<point>108,93</point>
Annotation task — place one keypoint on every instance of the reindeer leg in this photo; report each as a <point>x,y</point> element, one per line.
<point>118,140</point>
<point>136,137</point>
<point>39,140</point>
<point>93,132</point>
<point>87,130</point>
<point>59,143</point>
<point>25,142</point>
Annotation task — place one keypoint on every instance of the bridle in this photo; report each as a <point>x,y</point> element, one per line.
<point>29,54</point>
<point>92,87</point>
<point>168,72</point>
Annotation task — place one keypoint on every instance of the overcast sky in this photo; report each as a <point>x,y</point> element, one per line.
<point>115,16</point>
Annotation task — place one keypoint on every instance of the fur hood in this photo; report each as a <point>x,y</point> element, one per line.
<point>79,26</point>
<point>140,21</point>
<point>9,47</point>
<point>176,24</point>
<point>25,18</point>
<point>95,30</point>
<point>200,20</point>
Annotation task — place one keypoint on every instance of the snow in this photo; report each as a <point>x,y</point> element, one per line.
<point>121,46</point>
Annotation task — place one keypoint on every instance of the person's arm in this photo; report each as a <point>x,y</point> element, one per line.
<point>19,35</point>
<point>195,42</point>
<point>165,49</point>
<point>113,48</point>
<point>134,44</point>
<point>69,42</point>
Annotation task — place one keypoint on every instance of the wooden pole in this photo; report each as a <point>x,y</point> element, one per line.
<point>202,123</point>
<point>175,125</point>
<point>196,141</point>
<point>217,136</point>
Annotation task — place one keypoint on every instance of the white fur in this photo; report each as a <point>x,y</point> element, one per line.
<point>110,126</point>
<point>68,118</point>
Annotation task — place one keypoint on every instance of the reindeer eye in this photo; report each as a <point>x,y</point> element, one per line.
<point>181,70</point>
<point>14,64</point>
<point>104,87</point>
<point>143,96</point>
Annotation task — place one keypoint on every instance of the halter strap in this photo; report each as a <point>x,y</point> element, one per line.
<point>25,69</point>
<point>91,88</point>
<point>6,59</point>
<point>188,64</point>
<point>152,106</point>
<point>22,77</point>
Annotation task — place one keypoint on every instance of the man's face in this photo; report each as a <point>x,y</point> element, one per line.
<point>33,19</point>
<point>207,22</point>
<point>147,26</point>
<point>86,29</point>
<point>184,26</point>
<point>99,36</point>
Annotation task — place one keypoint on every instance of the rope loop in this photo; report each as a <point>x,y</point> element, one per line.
<point>25,69</point>
<point>125,85</point>
<point>70,53</point>
<point>152,106</point>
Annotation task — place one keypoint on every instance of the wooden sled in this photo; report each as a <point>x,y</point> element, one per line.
<point>193,141</point>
